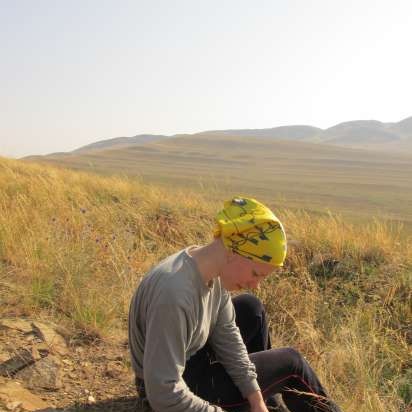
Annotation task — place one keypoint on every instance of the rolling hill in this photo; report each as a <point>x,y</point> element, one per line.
<point>364,134</point>
<point>118,142</point>
<point>297,132</point>
<point>302,174</point>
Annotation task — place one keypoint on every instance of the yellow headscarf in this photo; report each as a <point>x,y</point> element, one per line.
<point>252,230</point>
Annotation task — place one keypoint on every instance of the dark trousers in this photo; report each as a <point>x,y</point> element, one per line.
<point>281,370</point>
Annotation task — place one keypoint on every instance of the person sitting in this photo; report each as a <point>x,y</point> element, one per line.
<point>194,348</point>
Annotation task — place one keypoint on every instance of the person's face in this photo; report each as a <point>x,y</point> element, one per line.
<point>242,273</point>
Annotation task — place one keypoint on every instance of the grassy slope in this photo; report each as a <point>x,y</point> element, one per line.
<point>317,177</point>
<point>74,246</point>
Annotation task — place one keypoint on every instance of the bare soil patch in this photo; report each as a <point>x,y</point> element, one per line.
<point>65,375</point>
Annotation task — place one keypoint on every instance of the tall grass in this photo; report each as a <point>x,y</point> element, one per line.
<point>344,300</point>
<point>77,245</point>
<point>74,246</point>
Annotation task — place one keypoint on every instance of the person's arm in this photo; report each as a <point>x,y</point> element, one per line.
<point>164,361</point>
<point>257,404</point>
<point>231,352</point>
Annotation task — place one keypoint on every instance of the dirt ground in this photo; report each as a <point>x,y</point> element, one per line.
<point>92,376</point>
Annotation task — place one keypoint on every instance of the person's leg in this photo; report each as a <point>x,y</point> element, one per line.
<point>282,371</point>
<point>204,376</point>
<point>251,321</point>
<point>286,371</point>
<point>279,370</point>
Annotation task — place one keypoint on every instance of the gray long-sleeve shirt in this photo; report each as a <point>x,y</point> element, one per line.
<point>172,315</point>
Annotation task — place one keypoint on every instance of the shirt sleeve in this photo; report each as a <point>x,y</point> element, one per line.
<point>164,362</point>
<point>230,349</point>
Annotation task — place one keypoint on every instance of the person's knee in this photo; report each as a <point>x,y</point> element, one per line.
<point>248,303</point>
<point>295,358</point>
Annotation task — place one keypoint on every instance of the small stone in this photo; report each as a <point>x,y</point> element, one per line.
<point>4,356</point>
<point>22,358</point>
<point>13,392</point>
<point>91,399</point>
<point>12,406</point>
<point>44,374</point>
<point>56,342</point>
<point>16,324</point>
<point>42,348</point>
<point>35,353</point>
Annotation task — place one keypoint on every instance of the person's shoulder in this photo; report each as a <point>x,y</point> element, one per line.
<point>167,268</point>
<point>171,279</point>
<point>167,265</point>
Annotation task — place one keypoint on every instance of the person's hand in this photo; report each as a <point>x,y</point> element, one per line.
<point>257,404</point>
<point>260,407</point>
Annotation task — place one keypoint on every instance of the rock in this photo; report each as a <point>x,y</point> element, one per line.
<point>44,374</point>
<point>56,342</point>
<point>42,348</point>
<point>91,399</point>
<point>12,406</point>
<point>4,356</point>
<point>16,324</point>
<point>20,360</point>
<point>12,393</point>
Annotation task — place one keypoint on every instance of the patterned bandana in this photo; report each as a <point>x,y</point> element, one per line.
<point>250,229</point>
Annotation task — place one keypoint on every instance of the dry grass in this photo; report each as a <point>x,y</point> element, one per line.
<point>73,247</point>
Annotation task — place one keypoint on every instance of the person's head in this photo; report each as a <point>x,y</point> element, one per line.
<point>254,240</point>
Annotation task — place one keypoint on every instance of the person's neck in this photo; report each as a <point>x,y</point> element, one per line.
<point>209,259</point>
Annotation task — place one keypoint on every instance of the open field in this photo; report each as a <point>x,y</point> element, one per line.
<point>73,247</point>
<point>357,183</point>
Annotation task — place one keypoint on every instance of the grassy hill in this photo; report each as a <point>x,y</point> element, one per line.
<point>73,247</point>
<point>359,134</point>
<point>295,132</point>
<point>370,134</point>
<point>358,183</point>
<point>119,142</point>
<point>365,134</point>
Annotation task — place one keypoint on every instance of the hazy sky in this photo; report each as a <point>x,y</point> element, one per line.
<point>74,72</point>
